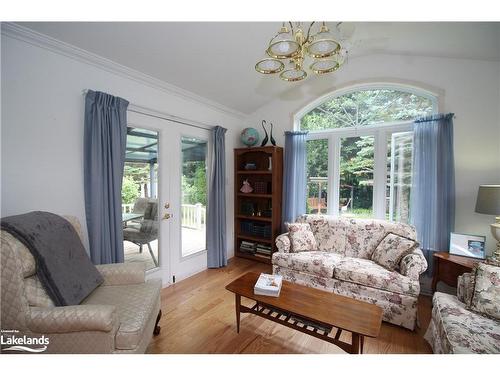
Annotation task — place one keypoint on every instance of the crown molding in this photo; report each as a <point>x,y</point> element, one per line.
<point>32,37</point>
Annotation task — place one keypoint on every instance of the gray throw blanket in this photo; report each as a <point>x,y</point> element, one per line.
<point>62,264</point>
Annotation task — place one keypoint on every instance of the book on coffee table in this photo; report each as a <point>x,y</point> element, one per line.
<point>268,285</point>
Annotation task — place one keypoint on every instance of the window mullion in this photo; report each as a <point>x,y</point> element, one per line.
<point>379,174</point>
<point>333,174</point>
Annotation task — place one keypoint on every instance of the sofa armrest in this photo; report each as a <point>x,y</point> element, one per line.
<point>123,273</point>
<point>465,287</point>
<point>77,318</point>
<point>413,265</point>
<point>283,243</point>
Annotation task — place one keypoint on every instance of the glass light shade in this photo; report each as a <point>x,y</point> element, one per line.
<point>283,45</point>
<point>269,66</point>
<point>324,66</point>
<point>323,44</point>
<point>293,75</point>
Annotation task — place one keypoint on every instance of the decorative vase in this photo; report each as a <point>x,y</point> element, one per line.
<point>266,138</point>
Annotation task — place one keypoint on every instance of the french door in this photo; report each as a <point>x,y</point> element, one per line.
<point>177,158</point>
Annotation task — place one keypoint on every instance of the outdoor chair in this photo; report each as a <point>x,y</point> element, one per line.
<point>140,206</point>
<point>147,231</point>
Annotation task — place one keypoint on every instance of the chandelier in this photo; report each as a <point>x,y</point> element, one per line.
<point>293,47</point>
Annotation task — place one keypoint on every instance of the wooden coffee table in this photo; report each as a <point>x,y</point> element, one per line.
<point>311,311</point>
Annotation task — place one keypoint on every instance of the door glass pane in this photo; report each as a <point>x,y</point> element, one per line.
<point>194,195</point>
<point>317,176</point>
<point>356,177</point>
<point>140,197</point>
<point>399,173</point>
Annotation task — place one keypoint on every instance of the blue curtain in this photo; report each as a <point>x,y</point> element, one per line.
<point>433,190</point>
<point>216,215</point>
<point>294,178</point>
<point>105,138</point>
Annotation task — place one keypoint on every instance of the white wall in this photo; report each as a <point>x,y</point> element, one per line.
<point>469,88</point>
<point>42,127</point>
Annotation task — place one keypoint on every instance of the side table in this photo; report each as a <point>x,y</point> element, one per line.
<point>448,267</point>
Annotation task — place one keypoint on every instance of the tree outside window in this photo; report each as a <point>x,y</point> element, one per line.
<point>336,118</point>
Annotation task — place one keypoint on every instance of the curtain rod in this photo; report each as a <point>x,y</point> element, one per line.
<point>163,116</point>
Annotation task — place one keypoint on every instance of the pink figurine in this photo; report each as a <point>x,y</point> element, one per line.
<point>246,188</point>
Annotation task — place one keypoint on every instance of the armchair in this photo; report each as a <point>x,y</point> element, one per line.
<point>456,329</point>
<point>119,316</point>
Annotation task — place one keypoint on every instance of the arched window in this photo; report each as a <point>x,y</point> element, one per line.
<point>359,151</point>
<point>366,107</point>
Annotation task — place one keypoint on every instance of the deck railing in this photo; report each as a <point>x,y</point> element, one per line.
<point>127,208</point>
<point>193,216</point>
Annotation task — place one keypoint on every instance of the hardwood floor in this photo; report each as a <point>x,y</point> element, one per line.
<point>199,317</point>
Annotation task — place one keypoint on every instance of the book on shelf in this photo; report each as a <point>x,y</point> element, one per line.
<point>265,256</point>
<point>246,250</point>
<point>263,249</point>
<point>248,247</point>
<point>268,285</point>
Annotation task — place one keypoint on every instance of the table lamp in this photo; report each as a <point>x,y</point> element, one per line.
<point>488,202</point>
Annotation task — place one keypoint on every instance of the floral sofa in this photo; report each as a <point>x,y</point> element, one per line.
<point>342,264</point>
<point>455,329</point>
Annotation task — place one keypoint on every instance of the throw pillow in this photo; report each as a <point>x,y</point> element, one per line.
<point>465,288</point>
<point>301,238</point>
<point>392,249</point>
<point>486,295</point>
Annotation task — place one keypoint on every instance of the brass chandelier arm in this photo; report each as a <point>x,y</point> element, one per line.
<point>309,31</point>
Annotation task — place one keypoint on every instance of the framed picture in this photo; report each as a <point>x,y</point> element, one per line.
<point>467,245</point>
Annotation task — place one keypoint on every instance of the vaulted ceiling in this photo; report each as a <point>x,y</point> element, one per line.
<point>216,59</point>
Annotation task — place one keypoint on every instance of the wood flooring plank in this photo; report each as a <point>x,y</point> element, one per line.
<point>198,317</point>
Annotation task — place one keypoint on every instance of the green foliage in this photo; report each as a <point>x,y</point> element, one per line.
<point>356,171</point>
<point>194,183</point>
<point>366,107</point>
<point>361,108</point>
<point>138,172</point>
<point>130,190</point>
<point>317,164</point>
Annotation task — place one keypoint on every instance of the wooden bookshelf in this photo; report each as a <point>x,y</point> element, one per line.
<point>258,214</point>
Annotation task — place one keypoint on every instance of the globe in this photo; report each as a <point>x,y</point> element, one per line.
<point>249,136</point>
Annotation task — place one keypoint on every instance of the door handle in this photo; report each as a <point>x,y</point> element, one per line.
<point>167,205</point>
<point>167,216</point>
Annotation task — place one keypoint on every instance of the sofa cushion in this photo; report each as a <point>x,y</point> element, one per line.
<point>459,330</point>
<point>486,295</point>
<point>363,235</point>
<point>329,231</point>
<point>318,263</point>
<point>392,249</point>
<point>301,238</point>
<point>368,273</point>
<point>134,304</point>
